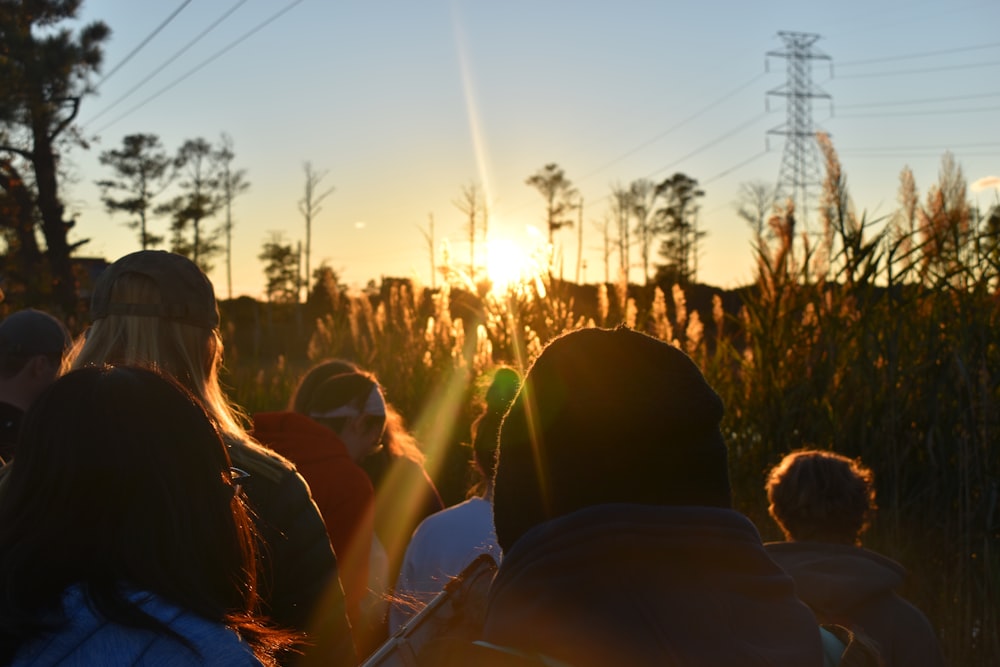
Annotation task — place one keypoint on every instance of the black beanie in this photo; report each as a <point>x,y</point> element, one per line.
<point>608,416</point>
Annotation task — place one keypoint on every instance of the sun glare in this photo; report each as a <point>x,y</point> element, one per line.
<point>507,263</point>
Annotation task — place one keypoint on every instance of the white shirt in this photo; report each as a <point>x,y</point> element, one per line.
<point>441,547</point>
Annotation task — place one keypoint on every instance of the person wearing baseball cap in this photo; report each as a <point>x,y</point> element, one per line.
<point>32,348</point>
<point>157,309</point>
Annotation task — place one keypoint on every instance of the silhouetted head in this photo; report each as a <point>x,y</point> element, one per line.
<point>486,427</point>
<point>157,309</point>
<point>821,496</point>
<point>122,479</point>
<point>28,334</point>
<point>33,346</point>
<point>608,416</point>
<point>349,402</point>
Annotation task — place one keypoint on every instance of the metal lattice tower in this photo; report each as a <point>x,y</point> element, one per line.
<point>800,177</point>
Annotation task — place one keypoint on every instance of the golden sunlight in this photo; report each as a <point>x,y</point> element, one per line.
<point>507,263</point>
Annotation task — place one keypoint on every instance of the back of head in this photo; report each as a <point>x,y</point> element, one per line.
<point>821,496</point>
<point>157,309</point>
<point>332,384</point>
<point>183,291</point>
<point>307,390</point>
<point>608,416</point>
<point>339,397</point>
<point>121,477</point>
<point>29,333</point>
<point>486,427</point>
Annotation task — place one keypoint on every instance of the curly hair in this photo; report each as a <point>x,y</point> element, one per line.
<point>822,496</point>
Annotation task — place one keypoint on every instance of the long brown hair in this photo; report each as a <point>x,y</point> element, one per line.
<point>122,482</point>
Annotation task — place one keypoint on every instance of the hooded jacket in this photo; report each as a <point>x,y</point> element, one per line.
<point>87,638</point>
<point>341,489</point>
<point>624,584</point>
<point>856,588</point>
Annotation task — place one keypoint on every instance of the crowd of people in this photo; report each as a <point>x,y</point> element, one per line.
<point>144,519</point>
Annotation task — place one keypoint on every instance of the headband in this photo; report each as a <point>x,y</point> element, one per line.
<point>374,405</point>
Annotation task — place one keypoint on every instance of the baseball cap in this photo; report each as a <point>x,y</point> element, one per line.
<point>30,332</point>
<point>186,293</point>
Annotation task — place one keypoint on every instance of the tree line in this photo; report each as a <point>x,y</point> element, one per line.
<point>45,73</point>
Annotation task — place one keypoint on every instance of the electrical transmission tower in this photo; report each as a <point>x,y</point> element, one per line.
<point>800,176</point>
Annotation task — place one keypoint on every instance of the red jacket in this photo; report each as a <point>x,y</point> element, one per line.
<point>341,489</point>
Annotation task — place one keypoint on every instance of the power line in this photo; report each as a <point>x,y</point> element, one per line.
<point>673,127</point>
<point>924,70</point>
<point>923,54</point>
<point>143,43</point>
<point>738,165</point>
<point>705,147</point>
<point>164,65</point>
<point>904,156</point>
<point>926,100</point>
<point>203,64</point>
<point>920,148</point>
<point>710,144</point>
<point>938,112</point>
<point>664,133</point>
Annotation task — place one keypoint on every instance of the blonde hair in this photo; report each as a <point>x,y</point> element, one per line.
<point>398,439</point>
<point>192,355</point>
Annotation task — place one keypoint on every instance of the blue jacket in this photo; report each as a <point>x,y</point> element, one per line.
<point>87,639</point>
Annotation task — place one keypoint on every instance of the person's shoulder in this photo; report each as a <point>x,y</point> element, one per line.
<point>213,642</point>
<point>89,638</point>
<point>260,461</point>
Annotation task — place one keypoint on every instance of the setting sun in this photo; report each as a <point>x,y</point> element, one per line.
<point>508,263</point>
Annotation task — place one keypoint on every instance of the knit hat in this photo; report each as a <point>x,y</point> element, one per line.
<point>31,332</point>
<point>186,294</point>
<point>608,416</point>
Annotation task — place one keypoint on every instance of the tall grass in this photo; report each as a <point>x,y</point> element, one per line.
<point>877,339</point>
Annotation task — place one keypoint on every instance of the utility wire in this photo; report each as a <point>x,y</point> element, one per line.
<point>919,148</point>
<point>203,64</point>
<point>164,65</point>
<point>924,54</point>
<point>143,43</point>
<point>710,144</point>
<point>904,156</point>
<point>926,100</point>
<point>736,166</point>
<point>702,148</point>
<point>674,127</point>
<point>924,70</point>
<point>938,112</point>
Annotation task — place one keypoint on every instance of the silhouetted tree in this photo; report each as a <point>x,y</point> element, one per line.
<point>603,227</point>
<point>621,211</point>
<point>309,206</point>
<point>559,195</point>
<point>232,183</point>
<point>428,235</point>
<point>44,74</point>
<point>281,270</point>
<point>642,205</point>
<point>755,204</point>
<point>18,221</point>
<point>677,219</point>
<point>472,204</point>
<point>142,170</point>
<point>199,201</point>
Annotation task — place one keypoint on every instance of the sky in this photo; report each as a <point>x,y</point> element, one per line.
<point>401,104</point>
